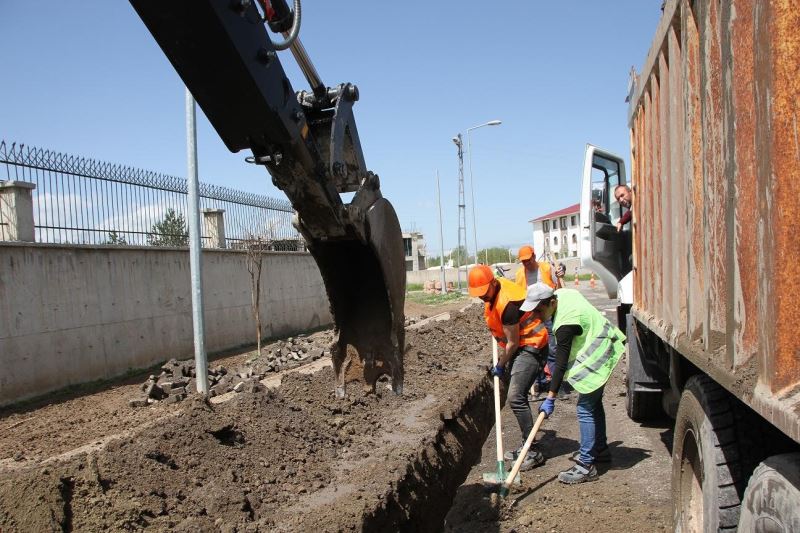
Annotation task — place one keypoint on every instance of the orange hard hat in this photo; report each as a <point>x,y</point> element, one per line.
<point>525,253</point>
<point>480,278</point>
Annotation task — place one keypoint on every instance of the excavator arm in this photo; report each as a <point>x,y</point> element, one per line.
<point>309,143</point>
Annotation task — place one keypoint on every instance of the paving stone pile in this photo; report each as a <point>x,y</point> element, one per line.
<point>294,351</point>
<point>177,378</point>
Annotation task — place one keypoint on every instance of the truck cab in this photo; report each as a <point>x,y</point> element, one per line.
<point>605,250</point>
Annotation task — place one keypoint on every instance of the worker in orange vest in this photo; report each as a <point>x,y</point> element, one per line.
<point>523,338</point>
<point>534,271</point>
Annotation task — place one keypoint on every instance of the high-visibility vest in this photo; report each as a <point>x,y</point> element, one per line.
<point>532,331</point>
<point>545,275</point>
<point>596,351</point>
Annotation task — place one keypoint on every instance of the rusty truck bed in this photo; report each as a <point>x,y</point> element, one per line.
<point>715,157</point>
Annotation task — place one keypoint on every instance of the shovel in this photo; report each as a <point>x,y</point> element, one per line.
<point>513,476</point>
<point>499,476</point>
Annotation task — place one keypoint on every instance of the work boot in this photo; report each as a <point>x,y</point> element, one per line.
<point>603,456</point>
<point>580,473</point>
<point>533,459</point>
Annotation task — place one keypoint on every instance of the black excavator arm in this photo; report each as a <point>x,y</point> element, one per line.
<point>309,143</point>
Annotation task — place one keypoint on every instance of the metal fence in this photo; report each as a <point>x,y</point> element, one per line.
<point>79,200</point>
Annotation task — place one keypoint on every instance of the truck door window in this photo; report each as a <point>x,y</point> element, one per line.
<point>605,177</point>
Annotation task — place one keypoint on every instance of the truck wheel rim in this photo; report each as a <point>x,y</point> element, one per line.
<point>691,483</point>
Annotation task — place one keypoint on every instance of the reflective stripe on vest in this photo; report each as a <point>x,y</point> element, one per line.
<point>532,336</point>
<point>597,364</point>
<point>596,351</point>
<point>529,335</point>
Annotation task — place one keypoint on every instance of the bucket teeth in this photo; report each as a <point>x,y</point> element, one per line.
<point>365,283</point>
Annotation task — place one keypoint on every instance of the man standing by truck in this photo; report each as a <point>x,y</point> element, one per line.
<point>588,349</point>
<point>524,339</point>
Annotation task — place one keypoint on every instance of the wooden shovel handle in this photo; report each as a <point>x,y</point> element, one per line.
<point>497,417</point>
<point>524,451</point>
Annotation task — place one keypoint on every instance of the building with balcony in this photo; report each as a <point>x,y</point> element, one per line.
<point>556,235</point>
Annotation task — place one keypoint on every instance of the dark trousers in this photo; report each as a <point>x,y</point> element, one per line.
<point>525,368</point>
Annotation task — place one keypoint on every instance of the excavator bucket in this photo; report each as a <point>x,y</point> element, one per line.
<point>365,282</point>
<point>308,141</point>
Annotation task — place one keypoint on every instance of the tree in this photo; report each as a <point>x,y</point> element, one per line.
<point>434,261</point>
<point>461,257</point>
<point>255,246</point>
<point>114,238</point>
<point>495,255</point>
<point>169,231</point>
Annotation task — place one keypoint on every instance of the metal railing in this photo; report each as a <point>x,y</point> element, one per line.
<point>79,200</point>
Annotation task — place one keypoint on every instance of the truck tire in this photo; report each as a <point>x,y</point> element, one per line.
<point>772,500</point>
<point>641,405</point>
<point>709,456</point>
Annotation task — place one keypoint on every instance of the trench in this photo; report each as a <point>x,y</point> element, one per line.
<point>423,496</point>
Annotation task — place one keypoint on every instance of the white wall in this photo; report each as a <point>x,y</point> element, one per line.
<point>538,238</point>
<point>74,314</point>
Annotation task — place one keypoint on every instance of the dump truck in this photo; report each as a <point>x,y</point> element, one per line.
<point>308,142</point>
<point>707,271</point>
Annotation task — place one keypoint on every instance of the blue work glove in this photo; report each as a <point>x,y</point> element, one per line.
<point>547,407</point>
<point>498,371</point>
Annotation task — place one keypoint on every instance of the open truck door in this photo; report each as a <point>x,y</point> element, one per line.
<point>604,250</point>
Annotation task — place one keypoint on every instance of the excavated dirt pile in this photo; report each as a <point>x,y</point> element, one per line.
<point>291,459</point>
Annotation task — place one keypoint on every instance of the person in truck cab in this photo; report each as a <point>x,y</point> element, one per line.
<point>622,193</point>
<point>524,339</point>
<point>588,349</point>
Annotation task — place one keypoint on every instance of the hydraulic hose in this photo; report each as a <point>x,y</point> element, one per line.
<point>294,32</point>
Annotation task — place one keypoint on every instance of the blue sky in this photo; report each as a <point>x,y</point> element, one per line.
<point>87,78</point>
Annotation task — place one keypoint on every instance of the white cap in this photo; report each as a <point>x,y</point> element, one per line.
<point>536,293</point>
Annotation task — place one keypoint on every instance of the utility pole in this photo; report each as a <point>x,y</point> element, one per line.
<point>441,233</point>
<point>462,211</point>
<point>472,185</point>
<point>195,263</point>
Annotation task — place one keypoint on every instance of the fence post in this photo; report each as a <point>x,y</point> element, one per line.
<point>16,211</point>
<point>214,222</point>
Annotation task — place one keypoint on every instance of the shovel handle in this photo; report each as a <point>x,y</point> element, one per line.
<point>524,452</point>
<point>497,418</point>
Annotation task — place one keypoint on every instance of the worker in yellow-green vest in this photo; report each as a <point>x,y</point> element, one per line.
<point>588,347</point>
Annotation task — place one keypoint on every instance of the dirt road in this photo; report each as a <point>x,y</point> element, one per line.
<point>631,494</point>
<point>297,459</point>
<point>291,459</point>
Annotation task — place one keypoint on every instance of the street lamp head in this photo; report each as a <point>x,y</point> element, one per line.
<point>493,123</point>
<point>457,141</point>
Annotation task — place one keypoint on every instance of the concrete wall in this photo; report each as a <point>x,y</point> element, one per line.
<point>74,314</point>
<point>421,276</point>
<point>450,273</point>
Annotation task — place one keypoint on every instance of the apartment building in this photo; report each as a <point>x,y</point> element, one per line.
<point>557,234</point>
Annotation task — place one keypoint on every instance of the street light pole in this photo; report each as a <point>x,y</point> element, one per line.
<point>462,212</point>
<point>472,185</point>
<point>441,233</point>
<point>195,259</point>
